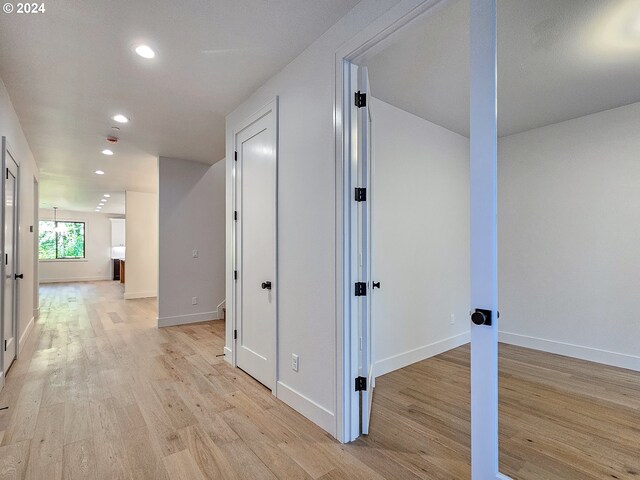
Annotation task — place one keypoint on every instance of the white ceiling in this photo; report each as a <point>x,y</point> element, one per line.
<point>557,60</point>
<point>70,69</point>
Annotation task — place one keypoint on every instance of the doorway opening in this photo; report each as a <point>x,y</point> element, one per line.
<point>410,217</point>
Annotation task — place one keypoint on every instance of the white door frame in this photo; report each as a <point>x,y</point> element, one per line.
<point>7,150</point>
<point>484,369</point>
<point>232,306</point>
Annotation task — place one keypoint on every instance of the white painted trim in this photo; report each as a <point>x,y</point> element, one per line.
<point>307,407</point>
<point>75,279</point>
<point>409,357</point>
<point>132,296</point>
<point>615,359</point>
<point>27,332</point>
<point>185,319</point>
<point>502,476</point>
<point>228,355</point>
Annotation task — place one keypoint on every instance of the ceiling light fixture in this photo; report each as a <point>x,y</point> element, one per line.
<point>106,151</point>
<point>99,172</point>
<point>120,118</point>
<point>145,51</point>
<point>106,195</point>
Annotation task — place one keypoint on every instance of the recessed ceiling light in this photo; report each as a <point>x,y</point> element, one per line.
<point>120,118</point>
<point>145,51</point>
<point>106,151</point>
<point>106,195</point>
<point>99,172</point>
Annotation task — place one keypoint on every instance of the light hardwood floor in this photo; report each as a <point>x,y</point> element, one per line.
<point>100,393</point>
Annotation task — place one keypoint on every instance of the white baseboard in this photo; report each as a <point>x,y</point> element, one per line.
<point>502,476</point>
<point>228,355</point>
<point>74,279</point>
<point>220,307</point>
<point>307,407</point>
<point>185,319</point>
<point>26,333</point>
<point>409,357</point>
<point>597,355</point>
<point>132,296</point>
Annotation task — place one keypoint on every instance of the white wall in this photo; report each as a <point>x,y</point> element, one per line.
<point>97,262</point>
<point>569,222</point>
<point>141,266</point>
<point>306,217</point>
<point>10,128</point>
<point>420,231</point>
<point>191,217</point>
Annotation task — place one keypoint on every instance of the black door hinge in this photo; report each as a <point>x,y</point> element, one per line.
<point>5,345</point>
<point>361,194</point>
<point>235,215</point>
<point>235,274</point>
<point>235,156</point>
<point>360,99</point>
<point>361,289</point>
<point>361,384</point>
<point>235,334</point>
<point>7,174</point>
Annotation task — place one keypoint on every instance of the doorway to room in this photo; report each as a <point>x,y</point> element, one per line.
<point>409,206</point>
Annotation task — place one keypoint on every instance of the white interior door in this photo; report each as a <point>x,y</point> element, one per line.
<point>256,249</point>
<point>10,251</point>
<point>366,362</point>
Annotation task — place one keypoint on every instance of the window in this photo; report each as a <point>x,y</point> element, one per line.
<point>61,240</point>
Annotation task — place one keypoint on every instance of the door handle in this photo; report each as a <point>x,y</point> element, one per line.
<point>375,285</point>
<point>19,276</point>
<point>266,285</point>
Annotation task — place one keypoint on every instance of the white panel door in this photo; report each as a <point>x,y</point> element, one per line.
<point>10,241</point>
<point>256,248</point>
<point>364,249</point>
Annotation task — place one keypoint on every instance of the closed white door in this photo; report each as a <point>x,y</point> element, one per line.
<point>256,249</point>
<point>10,241</point>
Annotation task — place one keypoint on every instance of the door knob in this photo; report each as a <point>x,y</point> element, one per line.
<point>19,276</point>
<point>375,285</point>
<point>266,285</point>
<point>481,316</point>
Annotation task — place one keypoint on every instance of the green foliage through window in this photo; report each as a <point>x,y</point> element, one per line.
<point>61,240</point>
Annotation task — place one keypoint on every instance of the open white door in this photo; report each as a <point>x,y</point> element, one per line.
<point>363,196</point>
<point>256,248</point>
<point>9,295</point>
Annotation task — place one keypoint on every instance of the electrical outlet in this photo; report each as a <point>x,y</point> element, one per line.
<point>452,320</point>
<point>195,253</point>
<point>294,362</point>
<point>194,300</point>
